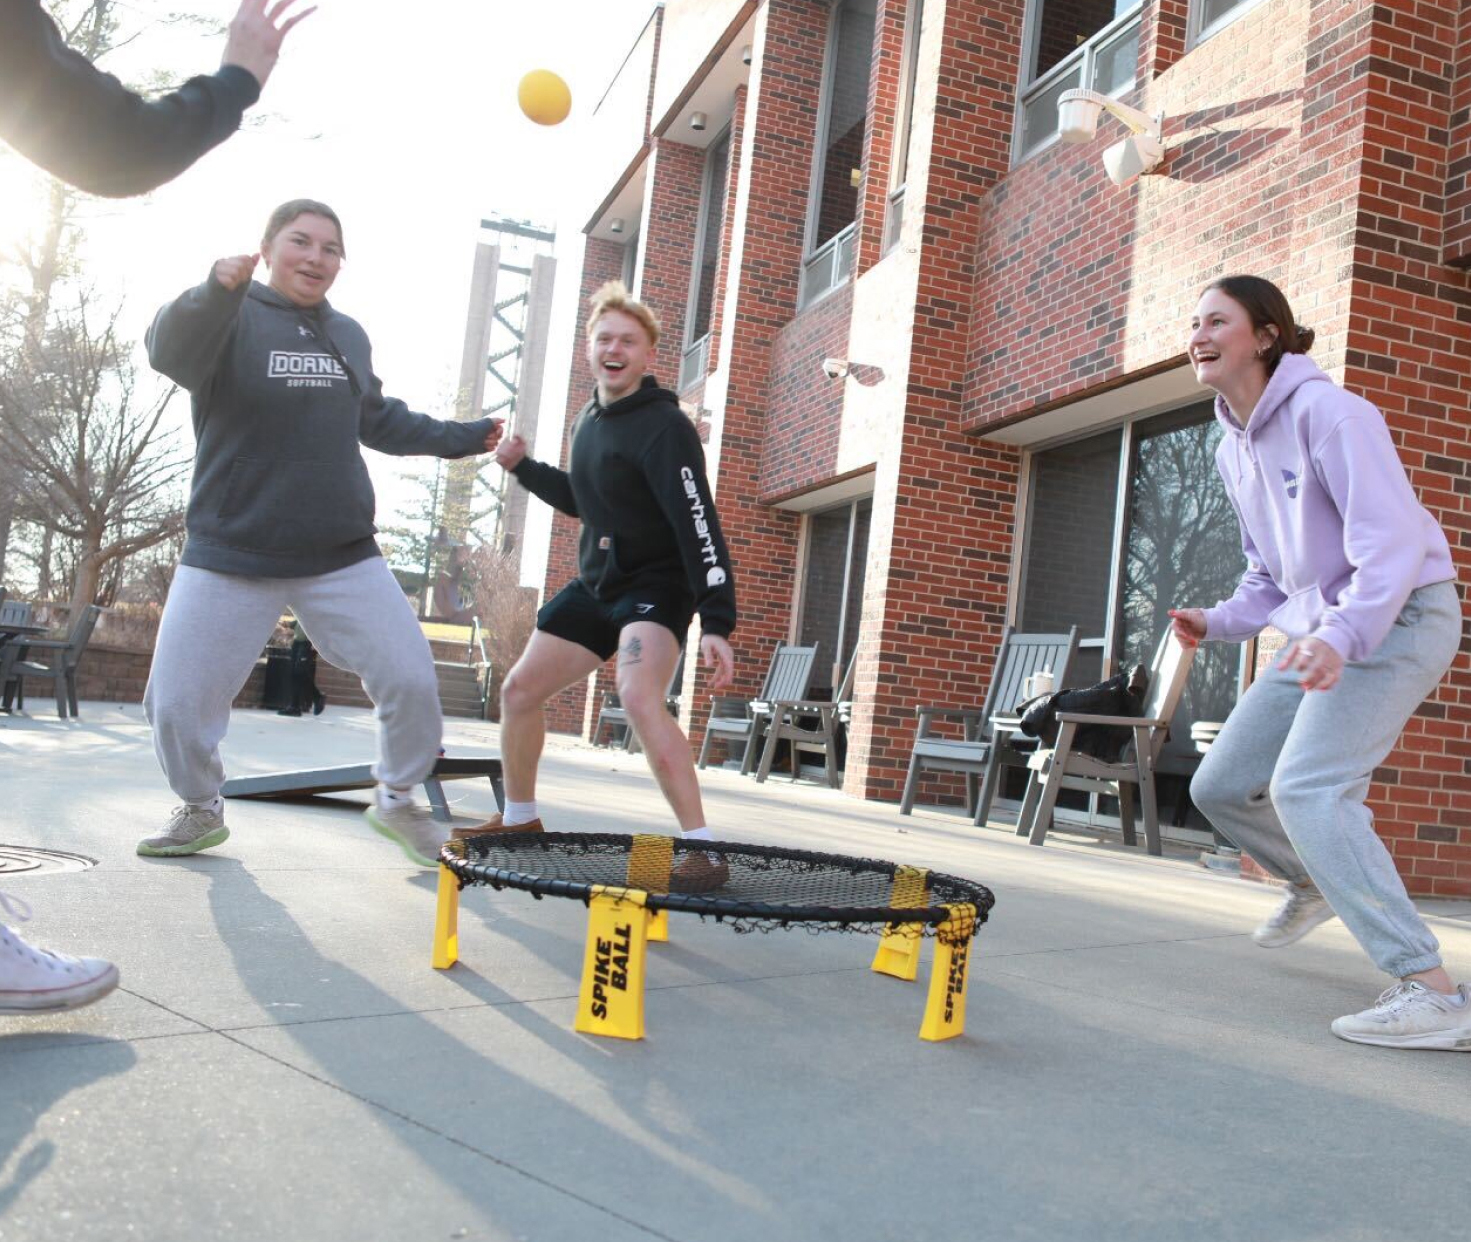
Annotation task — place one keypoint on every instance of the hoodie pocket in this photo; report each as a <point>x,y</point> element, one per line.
<point>289,506</point>
<point>1300,614</point>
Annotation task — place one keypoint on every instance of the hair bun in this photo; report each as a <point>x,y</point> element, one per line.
<point>1305,339</point>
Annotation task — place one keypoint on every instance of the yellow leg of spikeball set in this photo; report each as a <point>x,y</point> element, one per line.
<point>447,920</point>
<point>611,1000</point>
<point>649,863</point>
<point>898,952</point>
<point>944,1014</point>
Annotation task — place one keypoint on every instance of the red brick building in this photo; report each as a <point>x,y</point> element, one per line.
<point>1018,439</point>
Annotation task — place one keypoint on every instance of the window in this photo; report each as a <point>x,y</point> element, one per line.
<point>707,261</point>
<point>630,261</point>
<point>837,168</point>
<point>1073,43</point>
<point>1121,527</point>
<point>903,123</point>
<point>832,588</point>
<point>1209,16</point>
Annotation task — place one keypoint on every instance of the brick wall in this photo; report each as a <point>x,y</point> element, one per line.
<point>671,220</point>
<point>1458,163</point>
<point>804,422</point>
<point>1408,343</point>
<point>602,261</point>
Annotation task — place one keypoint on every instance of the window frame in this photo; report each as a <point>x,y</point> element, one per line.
<point>695,351</point>
<point>1080,59</point>
<point>1196,33</point>
<point>903,125</point>
<point>837,251</point>
<point>845,622</point>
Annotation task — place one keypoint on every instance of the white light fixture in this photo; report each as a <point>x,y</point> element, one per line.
<point>615,225</point>
<point>746,54</point>
<point>1141,152</point>
<point>835,368</point>
<point>698,120</point>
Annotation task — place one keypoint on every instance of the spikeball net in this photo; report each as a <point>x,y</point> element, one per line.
<point>632,883</point>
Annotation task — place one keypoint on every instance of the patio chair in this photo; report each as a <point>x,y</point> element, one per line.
<point>743,721</point>
<point>810,726</point>
<point>990,737</point>
<point>12,612</point>
<point>64,653</point>
<point>1065,768</point>
<point>615,715</point>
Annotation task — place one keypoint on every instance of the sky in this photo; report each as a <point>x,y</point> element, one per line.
<point>404,119</point>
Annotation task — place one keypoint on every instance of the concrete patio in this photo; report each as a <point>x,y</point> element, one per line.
<point>281,1062</point>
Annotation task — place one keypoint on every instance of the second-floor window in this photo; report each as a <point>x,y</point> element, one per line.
<point>837,167</point>
<point>1092,44</point>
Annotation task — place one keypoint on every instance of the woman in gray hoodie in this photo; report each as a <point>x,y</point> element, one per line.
<point>281,516</point>
<point>1344,559</point>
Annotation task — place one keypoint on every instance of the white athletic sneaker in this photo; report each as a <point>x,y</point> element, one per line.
<point>412,829</point>
<point>1410,1015</point>
<point>36,980</point>
<point>191,829</point>
<point>1302,909</point>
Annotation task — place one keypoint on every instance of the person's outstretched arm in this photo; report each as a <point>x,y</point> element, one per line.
<point>545,482</point>
<point>85,127</point>
<point>186,336</point>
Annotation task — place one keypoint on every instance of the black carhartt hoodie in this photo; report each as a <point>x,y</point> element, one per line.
<point>282,399</point>
<point>636,479</point>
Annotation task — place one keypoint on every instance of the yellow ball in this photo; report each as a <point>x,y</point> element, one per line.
<point>544,97</point>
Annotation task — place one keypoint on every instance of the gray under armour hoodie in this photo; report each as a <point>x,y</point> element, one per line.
<point>283,397</point>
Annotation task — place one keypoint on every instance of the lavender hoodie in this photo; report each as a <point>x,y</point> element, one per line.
<point>1334,537</point>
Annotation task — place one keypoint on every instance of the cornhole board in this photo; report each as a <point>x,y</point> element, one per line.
<point>304,784</point>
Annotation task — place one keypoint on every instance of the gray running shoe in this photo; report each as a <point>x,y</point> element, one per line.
<point>1410,1015</point>
<point>1302,909</point>
<point>412,829</point>
<point>191,829</point>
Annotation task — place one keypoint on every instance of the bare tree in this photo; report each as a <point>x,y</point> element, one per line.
<point>96,467</point>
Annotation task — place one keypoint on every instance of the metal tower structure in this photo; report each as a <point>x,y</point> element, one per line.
<point>502,365</point>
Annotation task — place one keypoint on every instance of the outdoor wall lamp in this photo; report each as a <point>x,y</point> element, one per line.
<point>698,120</point>
<point>1127,160</point>
<point>615,225</point>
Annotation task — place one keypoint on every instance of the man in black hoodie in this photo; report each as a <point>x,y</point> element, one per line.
<point>651,555</point>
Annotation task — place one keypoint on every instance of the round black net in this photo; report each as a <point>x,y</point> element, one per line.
<point>749,887</point>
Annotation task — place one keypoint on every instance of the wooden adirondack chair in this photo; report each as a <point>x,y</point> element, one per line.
<point>65,654</point>
<point>981,742</point>
<point>1064,768</point>
<point>810,726</point>
<point>615,715</point>
<point>743,721</point>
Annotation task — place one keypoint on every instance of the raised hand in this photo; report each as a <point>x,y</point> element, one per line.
<point>509,453</point>
<point>1189,625</point>
<point>256,34</point>
<point>236,270</point>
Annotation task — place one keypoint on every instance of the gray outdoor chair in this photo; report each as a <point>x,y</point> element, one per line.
<point>743,721</point>
<point>981,742</point>
<point>64,655</point>
<point>1064,768</point>
<point>810,726</point>
<point>615,715</point>
<point>12,612</point>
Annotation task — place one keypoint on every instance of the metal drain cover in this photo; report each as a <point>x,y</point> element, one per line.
<point>28,860</point>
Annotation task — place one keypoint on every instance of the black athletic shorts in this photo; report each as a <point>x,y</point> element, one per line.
<point>580,617</point>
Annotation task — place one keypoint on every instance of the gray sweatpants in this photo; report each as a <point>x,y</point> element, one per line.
<point>1287,777</point>
<point>214,627</point>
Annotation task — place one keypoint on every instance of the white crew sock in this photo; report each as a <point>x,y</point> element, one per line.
<point>701,833</point>
<point>518,813</point>
<point>215,806</point>
<point>389,798</point>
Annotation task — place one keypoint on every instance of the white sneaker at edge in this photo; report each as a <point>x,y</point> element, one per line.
<point>1410,1015</point>
<point>1302,909</point>
<point>36,980</point>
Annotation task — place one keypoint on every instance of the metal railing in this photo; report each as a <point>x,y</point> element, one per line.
<point>694,362</point>
<point>480,662</point>
<point>830,265</point>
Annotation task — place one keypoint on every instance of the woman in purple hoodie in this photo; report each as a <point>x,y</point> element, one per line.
<point>1345,561</point>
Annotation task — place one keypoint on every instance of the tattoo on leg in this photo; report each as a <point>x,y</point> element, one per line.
<point>632,652</point>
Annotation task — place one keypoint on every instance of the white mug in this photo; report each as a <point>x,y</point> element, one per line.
<point>1038,684</point>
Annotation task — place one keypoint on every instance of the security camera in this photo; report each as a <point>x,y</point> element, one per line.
<point>1077,121</point>
<point>835,368</point>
